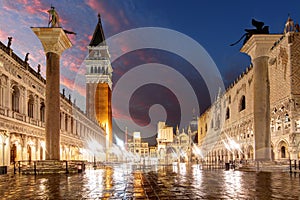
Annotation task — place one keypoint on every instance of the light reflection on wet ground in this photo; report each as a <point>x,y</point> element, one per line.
<point>172,182</point>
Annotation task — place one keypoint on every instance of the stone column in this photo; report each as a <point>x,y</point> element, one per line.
<point>54,41</point>
<point>258,48</point>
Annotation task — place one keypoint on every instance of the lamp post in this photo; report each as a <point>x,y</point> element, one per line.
<point>95,165</point>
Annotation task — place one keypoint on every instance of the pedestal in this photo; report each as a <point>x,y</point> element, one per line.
<point>54,41</point>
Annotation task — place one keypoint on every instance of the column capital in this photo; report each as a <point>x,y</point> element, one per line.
<point>259,45</point>
<point>53,40</point>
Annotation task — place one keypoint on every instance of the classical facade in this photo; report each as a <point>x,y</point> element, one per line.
<point>99,82</point>
<point>22,117</point>
<point>258,116</point>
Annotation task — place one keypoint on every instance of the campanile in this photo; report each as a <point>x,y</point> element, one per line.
<point>99,82</point>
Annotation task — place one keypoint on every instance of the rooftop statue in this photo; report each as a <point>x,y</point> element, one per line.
<point>53,18</point>
<point>9,42</point>
<point>260,29</point>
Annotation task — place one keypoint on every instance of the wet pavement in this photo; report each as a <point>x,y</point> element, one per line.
<point>172,182</point>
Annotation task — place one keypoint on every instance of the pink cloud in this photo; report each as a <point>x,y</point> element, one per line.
<point>67,82</point>
<point>119,114</point>
<point>107,16</point>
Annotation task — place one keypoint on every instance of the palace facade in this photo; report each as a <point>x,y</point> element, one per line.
<point>22,117</point>
<point>227,130</point>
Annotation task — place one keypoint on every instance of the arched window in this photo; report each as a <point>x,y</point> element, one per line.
<point>283,152</point>
<point>227,113</point>
<point>30,105</point>
<point>13,153</point>
<point>72,125</point>
<point>1,93</point>
<point>41,153</point>
<point>242,105</point>
<point>205,128</point>
<point>42,112</point>
<point>217,123</point>
<point>92,70</point>
<point>66,122</point>
<point>29,152</point>
<point>99,70</point>
<point>15,99</point>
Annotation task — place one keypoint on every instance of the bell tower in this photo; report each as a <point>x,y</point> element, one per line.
<point>99,82</point>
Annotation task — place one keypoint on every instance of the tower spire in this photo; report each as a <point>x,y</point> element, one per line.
<point>98,36</point>
<point>99,18</point>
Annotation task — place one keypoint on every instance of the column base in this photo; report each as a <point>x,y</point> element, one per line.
<point>263,154</point>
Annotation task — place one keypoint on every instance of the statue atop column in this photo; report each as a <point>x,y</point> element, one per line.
<point>259,29</point>
<point>53,18</point>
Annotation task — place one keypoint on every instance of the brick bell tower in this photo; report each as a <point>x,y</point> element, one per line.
<point>99,82</point>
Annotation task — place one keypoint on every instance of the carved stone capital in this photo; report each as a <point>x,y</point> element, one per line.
<point>259,45</point>
<point>53,39</point>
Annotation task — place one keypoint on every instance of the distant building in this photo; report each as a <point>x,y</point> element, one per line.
<point>152,152</point>
<point>176,147</point>
<point>137,147</point>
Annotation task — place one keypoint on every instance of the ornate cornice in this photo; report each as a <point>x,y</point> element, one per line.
<point>259,45</point>
<point>53,39</point>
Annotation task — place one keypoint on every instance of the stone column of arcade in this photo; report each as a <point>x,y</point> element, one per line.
<point>54,41</point>
<point>258,48</point>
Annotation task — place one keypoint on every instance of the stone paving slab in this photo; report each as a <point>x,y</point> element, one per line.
<point>120,183</point>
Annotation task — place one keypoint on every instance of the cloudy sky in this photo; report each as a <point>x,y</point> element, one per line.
<point>211,24</point>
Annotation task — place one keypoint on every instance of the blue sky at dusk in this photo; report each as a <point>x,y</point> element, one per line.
<point>213,24</point>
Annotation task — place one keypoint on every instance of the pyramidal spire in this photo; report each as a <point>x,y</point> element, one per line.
<point>98,36</point>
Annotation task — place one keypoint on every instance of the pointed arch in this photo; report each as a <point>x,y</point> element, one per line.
<point>242,104</point>
<point>282,148</point>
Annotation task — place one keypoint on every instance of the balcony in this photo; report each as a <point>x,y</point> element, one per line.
<point>18,116</point>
